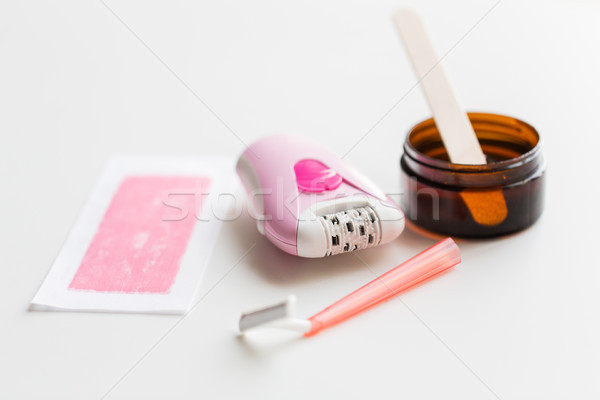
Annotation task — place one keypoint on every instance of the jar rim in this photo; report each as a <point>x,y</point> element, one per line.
<point>500,172</point>
<point>495,165</point>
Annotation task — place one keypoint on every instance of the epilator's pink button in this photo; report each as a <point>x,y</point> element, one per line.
<point>314,176</point>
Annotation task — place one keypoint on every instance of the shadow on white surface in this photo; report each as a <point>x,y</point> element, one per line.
<point>282,269</point>
<point>265,341</point>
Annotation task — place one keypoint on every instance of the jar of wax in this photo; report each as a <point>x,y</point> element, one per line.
<point>476,201</point>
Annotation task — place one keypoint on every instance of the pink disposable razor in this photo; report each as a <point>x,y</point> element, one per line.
<point>310,203</point>
<point>425,265</point>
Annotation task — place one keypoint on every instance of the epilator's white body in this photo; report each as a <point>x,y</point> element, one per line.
<point>311,203</point>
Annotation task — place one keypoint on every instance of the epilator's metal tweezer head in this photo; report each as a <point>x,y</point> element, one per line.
<point>353,229</point>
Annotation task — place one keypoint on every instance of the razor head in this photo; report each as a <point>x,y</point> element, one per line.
<point>263,316</point>
<point>350,230</point>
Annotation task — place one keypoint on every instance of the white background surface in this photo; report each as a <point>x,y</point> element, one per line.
<point>518,319</point>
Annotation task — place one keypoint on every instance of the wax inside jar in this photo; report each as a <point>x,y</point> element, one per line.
<point>503,196</point>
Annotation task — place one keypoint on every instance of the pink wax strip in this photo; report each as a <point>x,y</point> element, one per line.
<point>424,265</point>
<point>144,233</point>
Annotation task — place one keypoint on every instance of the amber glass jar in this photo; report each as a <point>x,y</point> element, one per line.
<point>503,196</point>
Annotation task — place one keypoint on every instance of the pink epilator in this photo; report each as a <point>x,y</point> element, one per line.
<point>311,203</point>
